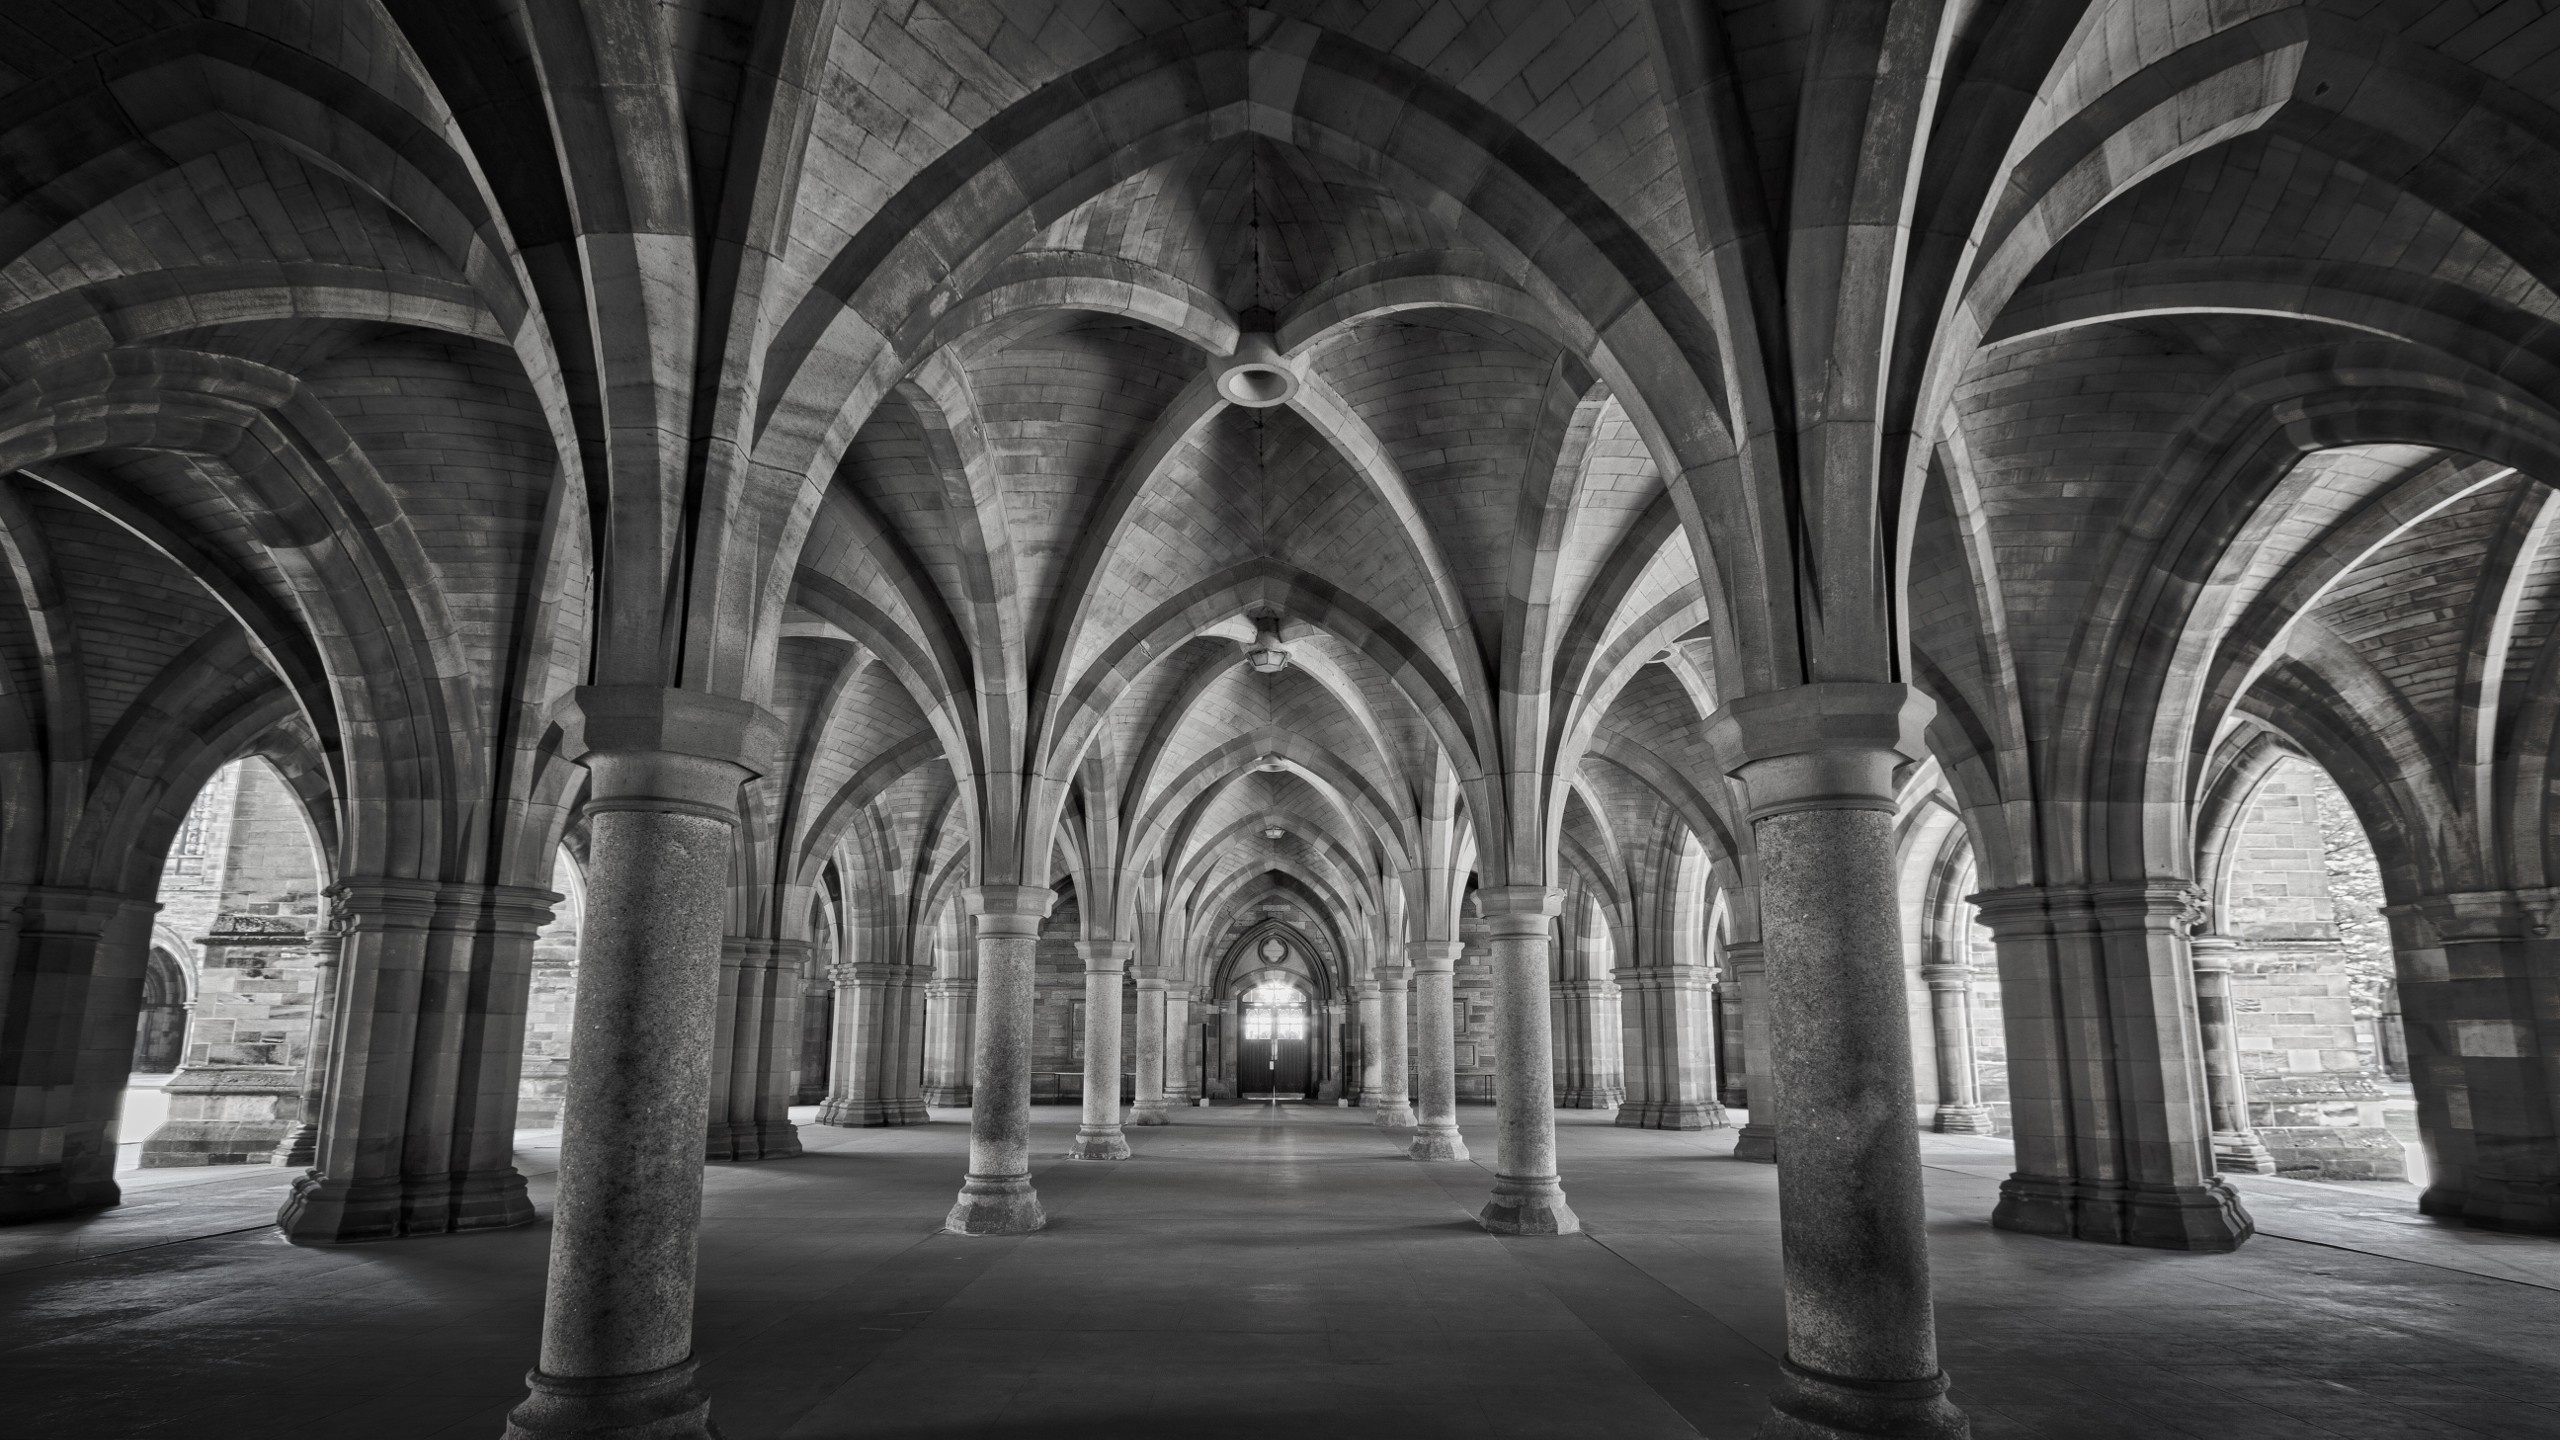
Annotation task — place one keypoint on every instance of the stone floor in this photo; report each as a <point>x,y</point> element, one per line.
<point>1265,1271</point>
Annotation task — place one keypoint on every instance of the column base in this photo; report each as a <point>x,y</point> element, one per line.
<point>660,1405</point>
<point>51,1194</point>
<point>1962,1120</point>
<point>947,1097</point>
<point>1437,1142</point>
<point>1808,1405</point>
<point>2241,1152</point>
<point>1528,1207</point>
<point>1758,1142</point>
<point>996,1205</point>
<point>1111,1144</point>
<point>323,1211</point>
<point>763,1140</point>
<point>2206,1218</point>
<point>1146,1114</point>
<point>299,1149</point>
<point>1673,1115</point>
<point>874,1113</point>
<point>2490,1202</point>
<point>1397,1115</point>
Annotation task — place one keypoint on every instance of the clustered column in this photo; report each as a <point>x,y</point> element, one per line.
<point>1435,1044</point>
<point>664,769</point>
<point>1099,1137</point>
<point>301,1145</point>
<point>73,986</point>
<point>1747,965</point>
<point>2475,970</point>
<point>1817,764</point>
<point>753,1042</point>
<point>2236,1146</point>
<point>870,1082</point>
<point>997,1198</point>
<point>1528,1196</point>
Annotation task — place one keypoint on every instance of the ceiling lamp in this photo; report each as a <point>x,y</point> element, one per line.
<point>1266,654</point>
<point>1272,832</point>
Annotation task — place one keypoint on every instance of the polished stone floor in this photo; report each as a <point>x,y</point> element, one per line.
<point>1270,1271</point>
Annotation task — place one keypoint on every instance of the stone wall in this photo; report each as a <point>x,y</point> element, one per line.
<point>2299,990</point>
<point>247,876</point>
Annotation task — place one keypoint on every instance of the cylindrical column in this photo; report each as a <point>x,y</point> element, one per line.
<point>1394,1105</point>
<point>1528,1196</point>
<point>1862,1354</point>
<point>1365,1011</point>
<point>1099,1137</point>
<point>1147,1101</point>
<point>301,1145</point>
<point>1759,1137</point>
<point>997,1198</point>
<point>1960,1108</point>
<point>1435,1046</point>
<point>1182,1080</point>
<point>617,1320</point>
<point>2236,1146</point>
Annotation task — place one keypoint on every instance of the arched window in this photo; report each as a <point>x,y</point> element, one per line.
<point>1274,1010</point>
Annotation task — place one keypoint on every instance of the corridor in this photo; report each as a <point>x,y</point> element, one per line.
<point>1275,1270</point>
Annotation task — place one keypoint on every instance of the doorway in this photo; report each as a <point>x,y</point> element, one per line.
<point>1271,1055</point>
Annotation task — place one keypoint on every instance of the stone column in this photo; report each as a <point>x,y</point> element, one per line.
<point>1147,1098</point>
<point>1435,1047</point>
<point>1817,765</point>
<point>2236,1146</point>
<point>1182,1048</point>
<point>2106,1070</point>
<point>301,1144</point>
<point>1098,1136</point>
<point>426,1061</point>
<point>1671,1077</point>
<point>870,1049</point>
<point>2476,997</point>
<point>754,1040</point>
<point>1394,1105</point>
<point>951,1004</point>
<point>817,1032</point>
<point>1334,1078</point>
<point>1372,1044</point>
<point>1960,1107</point>
<point>662,808</point>
<point>1528,1196</point>
<point>73,991</point>
<point>997,1198</point>
<point>1747,961</point>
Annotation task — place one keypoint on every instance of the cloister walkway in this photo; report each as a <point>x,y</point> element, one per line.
<point>1270,1271</point>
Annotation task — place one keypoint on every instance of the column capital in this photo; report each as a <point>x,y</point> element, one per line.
<point>2170,903</point>
<point>1009,910</point>
<point>1105,957</point>
<point>1436,956</point>
<point>2211,954</point>
<point>1832,745</point>
<point>647,747</point>
<point>1151,977</point>
<point>1946,977</point>
<point>1519,910</point>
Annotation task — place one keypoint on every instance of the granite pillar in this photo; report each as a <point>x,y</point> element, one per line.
<point>1098,1134</point>
<point>1528,1195</point>
<point>1147,1097</point>
<point>1394,1105</point>
<point>1817,764</point>
<point>997,1197</point>
<point>1435,1047</point>
<point>662,808</point>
